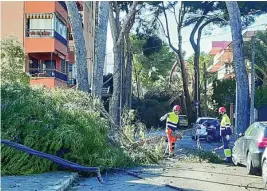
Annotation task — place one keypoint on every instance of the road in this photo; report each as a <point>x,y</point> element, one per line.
<point>178,175</point>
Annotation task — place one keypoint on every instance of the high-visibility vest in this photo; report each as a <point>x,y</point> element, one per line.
<point>172,120</point>
<point>225,126</point>
<point>225,121</point>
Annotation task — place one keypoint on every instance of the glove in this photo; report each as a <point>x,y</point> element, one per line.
<point>162,118</point>
<point>227,137</point>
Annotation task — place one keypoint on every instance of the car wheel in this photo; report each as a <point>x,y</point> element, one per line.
<point>250,169</point>
<point>264,172</point>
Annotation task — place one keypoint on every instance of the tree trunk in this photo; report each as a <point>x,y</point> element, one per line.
<point>205,90</point>
<point>101,38</point>
<point>185,82</point>
<point>128,74</point>
<point>119,31</point>
<point>183,70</point>
<point>80,49</point>
<point>196,47</point>
<point>242,101</point>
<point>115,109</point>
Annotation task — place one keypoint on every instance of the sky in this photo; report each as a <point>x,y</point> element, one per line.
<point>209,34</point>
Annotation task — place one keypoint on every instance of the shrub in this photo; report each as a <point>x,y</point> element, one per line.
<point>13,62</point>
<point>59,122</point>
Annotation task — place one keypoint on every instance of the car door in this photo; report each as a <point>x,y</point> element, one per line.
<point>246,141</point>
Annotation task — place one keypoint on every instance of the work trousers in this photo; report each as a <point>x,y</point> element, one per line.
<point>171,140</point>
<point>227,150</point>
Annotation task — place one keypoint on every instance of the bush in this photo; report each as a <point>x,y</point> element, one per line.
<point>261,96</point>
<point>59,122</point>
<point>13,62</point>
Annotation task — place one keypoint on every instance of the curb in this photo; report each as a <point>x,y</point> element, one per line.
<point>65,184</point>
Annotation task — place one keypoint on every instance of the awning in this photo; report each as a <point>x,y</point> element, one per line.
<point>39,15</point>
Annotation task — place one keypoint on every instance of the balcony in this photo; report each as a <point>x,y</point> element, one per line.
<point>45,40</point>
<point>43,73</point>
<point>40,33</point>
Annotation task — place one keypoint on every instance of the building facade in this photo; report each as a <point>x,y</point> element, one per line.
<point>42,27</point>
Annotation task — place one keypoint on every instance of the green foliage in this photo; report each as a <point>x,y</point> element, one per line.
<point>260,55</point>
<point>12,62</point>
<point>224,93</point>
<point>154,67</point>
<point>52,121</point>
<point>261,96</point>
<point>203,58</point>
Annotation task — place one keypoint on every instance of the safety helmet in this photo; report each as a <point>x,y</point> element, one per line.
<point>176,108</point>
<point>222,110</point>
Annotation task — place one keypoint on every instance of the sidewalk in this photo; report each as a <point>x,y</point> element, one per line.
<point>52,181</point>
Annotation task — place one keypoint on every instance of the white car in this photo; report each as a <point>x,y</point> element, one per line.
<point>264,166</point>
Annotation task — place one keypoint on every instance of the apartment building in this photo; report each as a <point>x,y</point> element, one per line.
<point>222,63</point>
<point>44,31</point>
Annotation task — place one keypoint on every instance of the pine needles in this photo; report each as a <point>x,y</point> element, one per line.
<point>60,122</point>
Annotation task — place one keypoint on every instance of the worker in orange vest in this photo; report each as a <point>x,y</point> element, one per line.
<point>171,126</point>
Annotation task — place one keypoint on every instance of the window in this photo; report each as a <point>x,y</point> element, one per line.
<point>63,67</point>
<point>251,131</point>
<point>60,28</point>
<point>41,24</point>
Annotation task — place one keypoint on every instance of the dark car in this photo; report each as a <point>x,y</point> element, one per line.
<point>212,128</point>
<point>249,147</point>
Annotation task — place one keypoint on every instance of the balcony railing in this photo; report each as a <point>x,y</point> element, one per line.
<point>40,33</point>
<point>37,72</point>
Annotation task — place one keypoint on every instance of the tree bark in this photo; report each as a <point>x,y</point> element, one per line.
<point>196,47</point>
<point>80,49</point>
<point>118,35</point>
<point>128,74</point>
<point>101,38</point>
<point>242,101</point>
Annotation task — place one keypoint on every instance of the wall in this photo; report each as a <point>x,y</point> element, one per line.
<point>12,24</point>
<point>48,82</point>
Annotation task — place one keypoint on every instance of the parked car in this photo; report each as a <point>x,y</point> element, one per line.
<point>264,166</point>
<point>208,124</point>
<point>249,147</point>
<point>183,121</point>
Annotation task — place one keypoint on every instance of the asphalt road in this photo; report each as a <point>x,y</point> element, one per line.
<point>178,175</point>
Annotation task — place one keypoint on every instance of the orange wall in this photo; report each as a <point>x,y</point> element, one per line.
<point>61,47</point>
<point>12,24</point>
<point>39,45</point>
<point>39,6</point>
<point>34,45</point>
<point>48,82</point>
